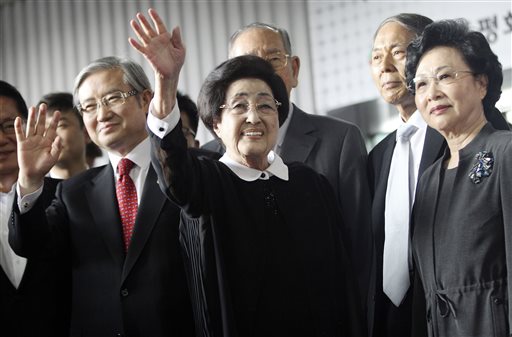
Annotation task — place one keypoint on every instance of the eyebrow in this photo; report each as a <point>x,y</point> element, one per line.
<point>436,70</point>
<point>266,51</point>
<point>103,95</point>
<point>244,94</point>
<point>273,51</point>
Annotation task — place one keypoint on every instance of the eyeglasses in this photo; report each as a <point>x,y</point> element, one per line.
<point>420,84</point>
<point>277,60</point>
<point>112,100</point>
<point>243,107</point>
<point>7,127</point>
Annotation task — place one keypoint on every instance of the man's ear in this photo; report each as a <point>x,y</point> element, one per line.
<point>146,97</point>
<point>295,61</point>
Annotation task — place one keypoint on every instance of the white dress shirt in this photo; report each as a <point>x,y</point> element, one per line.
<point>417,142</point>
<point>140,155</point>
<point>12,264</point>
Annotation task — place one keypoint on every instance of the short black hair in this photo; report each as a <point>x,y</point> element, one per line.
<point>473,47</point>
<point>213,91</point>
<point>8,90</point>
<point>62,101</point>
<point>189,107</point>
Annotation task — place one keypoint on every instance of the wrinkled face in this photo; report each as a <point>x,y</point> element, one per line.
<point>73,138</point>
<point>249,122</point>
<point>266,43</point>
<point>116,129</point>
<point>8,155</point>
<point>448,95</point>
<point>388,62</point>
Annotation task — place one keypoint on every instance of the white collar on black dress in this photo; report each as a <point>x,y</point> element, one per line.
<point>277,168</point>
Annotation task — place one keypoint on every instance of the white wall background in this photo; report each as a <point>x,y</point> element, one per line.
<point>45,43</point>
<point>342,36</point>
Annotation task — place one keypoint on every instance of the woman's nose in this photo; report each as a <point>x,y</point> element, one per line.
<point>253,116</point>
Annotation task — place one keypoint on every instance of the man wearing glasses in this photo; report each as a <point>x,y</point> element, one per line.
<point>332,147</point>
<point>395,165</point>
<point>34,293</point>
<point>114,223</point>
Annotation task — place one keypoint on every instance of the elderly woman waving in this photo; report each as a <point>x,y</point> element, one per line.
<point>462,218</point>
<point>262,239</point>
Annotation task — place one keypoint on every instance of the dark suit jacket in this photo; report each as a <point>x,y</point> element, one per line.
<point>40,306</point>
<point>336,149</point>
<point>141,294</point>
<point>460,236</point>
<point>381,312</point>
<point>265,256</point>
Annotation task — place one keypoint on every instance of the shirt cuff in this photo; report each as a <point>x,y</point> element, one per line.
<point>162,127</point>
<point>26,202</point>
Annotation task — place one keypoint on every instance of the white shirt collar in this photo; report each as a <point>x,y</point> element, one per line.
<point>417,120</point>
<point>12,264</point>
<point>140,155</point>
<point>277,168</point>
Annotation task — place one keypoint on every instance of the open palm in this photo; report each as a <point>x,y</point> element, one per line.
<point>38,146</point>
<point>164,50</point>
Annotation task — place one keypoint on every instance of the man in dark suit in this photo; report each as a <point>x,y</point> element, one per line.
<point>332,147</point>
<point>125,281</point>
<point>34,293</point>
<point>387,316</point>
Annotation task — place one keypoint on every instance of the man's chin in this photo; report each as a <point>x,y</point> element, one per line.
<point>397,97</point>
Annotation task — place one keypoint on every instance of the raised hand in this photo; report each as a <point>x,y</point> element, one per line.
<point>39,148</point>
<point>164,51</point>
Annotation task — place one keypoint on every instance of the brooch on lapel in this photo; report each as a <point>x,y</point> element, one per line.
<point>482,167</point>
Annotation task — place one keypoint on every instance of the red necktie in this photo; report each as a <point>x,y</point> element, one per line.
<point>127,199</point>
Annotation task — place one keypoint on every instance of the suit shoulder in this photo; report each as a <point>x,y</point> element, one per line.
<point>204,153</point>
<point>83,177</point>
<point>381,146</point>
<point>298,169</point>
<point>327,128</point>
<point>502,136</point>
<point>214,145</point>
<point>330,122</point>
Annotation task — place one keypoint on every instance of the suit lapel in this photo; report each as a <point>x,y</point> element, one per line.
<point>386,161</point>
<point>382,185</point>
<point>430,205</point>
<point>152,202</point>
<point>432,150</point>
<point>101,198</point>
<point>299,141</point>
<point>5,283</point>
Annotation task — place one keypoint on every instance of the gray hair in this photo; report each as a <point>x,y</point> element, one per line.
<point>414,23</point>
<point>133,74</point>
<point>258,25</point>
